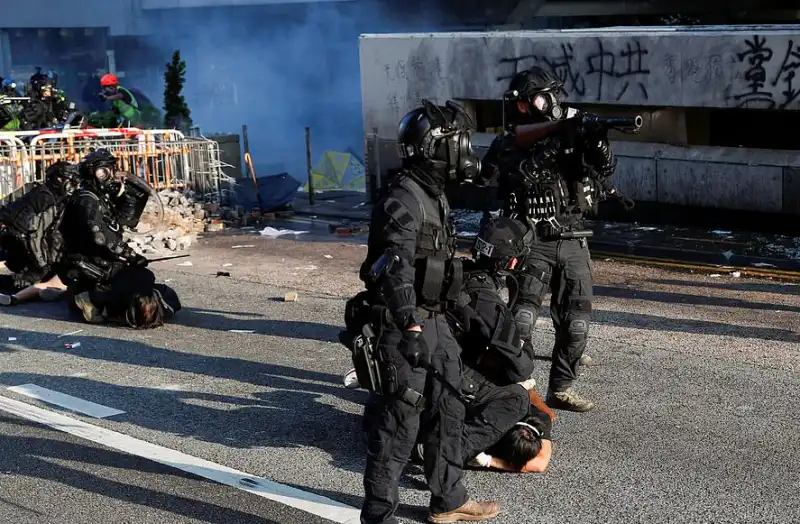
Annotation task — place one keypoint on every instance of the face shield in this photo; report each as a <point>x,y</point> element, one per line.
<point>138,196</point>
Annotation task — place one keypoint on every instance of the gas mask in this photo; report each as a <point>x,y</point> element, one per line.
<point>464,165</point>
<point>455,137</point>
<point>548,104</point>
<point>109,181</point>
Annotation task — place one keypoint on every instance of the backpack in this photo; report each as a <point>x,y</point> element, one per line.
<point>31,236</point>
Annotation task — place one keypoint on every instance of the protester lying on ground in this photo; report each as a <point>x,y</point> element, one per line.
<point>14,290</point>
<point>527,446</point>
<point>131,298</point>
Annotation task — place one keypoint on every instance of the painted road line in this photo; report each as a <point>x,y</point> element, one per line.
<point>262,487</point>
<point>65,401</point>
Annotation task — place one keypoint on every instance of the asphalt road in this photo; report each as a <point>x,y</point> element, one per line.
<point>696,380</point>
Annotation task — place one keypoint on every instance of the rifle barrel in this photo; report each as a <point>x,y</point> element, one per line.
<point>615,122</point>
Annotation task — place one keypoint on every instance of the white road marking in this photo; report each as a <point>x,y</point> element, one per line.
<point>308,502</point>
<point>65,401</point>
<point>70,333</point>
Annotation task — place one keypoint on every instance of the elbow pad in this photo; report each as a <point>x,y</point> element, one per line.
<point>395,278</point>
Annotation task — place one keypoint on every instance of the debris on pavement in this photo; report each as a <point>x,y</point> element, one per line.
<point>328,256</point>
<point>290,297</point>
<point>223,274</point>
<point>227,265</point>
<point>183,220</point>
<point>271,232</point>
<point>12,339</point>
<point>72,346</point>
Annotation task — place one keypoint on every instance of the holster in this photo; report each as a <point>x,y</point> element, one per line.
<point>363,320</point>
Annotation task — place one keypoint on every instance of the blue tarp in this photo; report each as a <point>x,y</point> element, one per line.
<point>276,191</point>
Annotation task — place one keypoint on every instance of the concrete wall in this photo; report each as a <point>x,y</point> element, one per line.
<point>674,67</point>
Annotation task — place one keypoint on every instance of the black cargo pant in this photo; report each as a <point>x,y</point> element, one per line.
<point>493,411</point>
<point>439,416</point>
<point>563,267</point>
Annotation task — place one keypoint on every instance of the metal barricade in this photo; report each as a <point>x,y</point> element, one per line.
<point>14,165</point>
<point>166,159</point>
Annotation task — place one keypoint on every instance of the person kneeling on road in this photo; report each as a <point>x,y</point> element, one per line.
<point>30,240</point>
<point>93,236</point>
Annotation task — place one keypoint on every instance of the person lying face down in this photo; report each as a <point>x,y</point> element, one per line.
<point>527,446</point>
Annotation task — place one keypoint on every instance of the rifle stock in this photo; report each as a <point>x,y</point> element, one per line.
<point>528,135</point>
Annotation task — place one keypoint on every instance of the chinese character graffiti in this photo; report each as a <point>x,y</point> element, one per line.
<point>770,76</point>
<point>563,67</point>
<point>631,68</point>
<point>622,70</point>
<point>756,54</point>
<point>787,73</point>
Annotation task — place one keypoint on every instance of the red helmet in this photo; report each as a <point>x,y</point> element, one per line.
<point>109,80</point>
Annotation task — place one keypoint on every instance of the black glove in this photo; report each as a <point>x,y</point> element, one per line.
<point>414,349</point>
<point>626,203</point>
<point>545,425</point>
<point>136,260</point>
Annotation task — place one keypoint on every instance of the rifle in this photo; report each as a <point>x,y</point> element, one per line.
<point>166,258</point>
<point>528,135</point>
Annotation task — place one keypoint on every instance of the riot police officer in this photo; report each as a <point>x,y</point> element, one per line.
<point>93,234</point>
<point>30,239</point>
<point>551,186</point>
<point>406,269</point>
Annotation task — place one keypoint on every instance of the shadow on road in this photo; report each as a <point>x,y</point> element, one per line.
<point>220,321</point>
<point>291,414</point>
<point>685,298</point>
<point>38,458</point>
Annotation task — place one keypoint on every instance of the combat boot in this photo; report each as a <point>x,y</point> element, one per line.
<point>471,511</point>
<point>568,400</point>
<point>91,313</point>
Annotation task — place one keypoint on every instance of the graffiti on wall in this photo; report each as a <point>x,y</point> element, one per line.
<point>613,73</point>
<point>768,74</point>
<point>419,73</point>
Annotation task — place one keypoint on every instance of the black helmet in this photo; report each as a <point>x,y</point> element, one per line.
<point>441,135</point>
<point>502,242</point>
<point>98,168</point>
<point>63,176</point>
<point>540,88</point>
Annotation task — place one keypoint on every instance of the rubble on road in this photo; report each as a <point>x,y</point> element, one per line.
<point>184,218</point>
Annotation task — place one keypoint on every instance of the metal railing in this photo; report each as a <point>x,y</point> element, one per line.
<point>166,159</point>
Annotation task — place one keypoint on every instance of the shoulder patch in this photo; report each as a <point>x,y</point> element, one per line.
<point>398,211</point>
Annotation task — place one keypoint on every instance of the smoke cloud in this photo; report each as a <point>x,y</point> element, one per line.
<point>277,70</point>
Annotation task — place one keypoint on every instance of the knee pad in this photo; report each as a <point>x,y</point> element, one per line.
<point>526,321</point>
<point>578,330</point>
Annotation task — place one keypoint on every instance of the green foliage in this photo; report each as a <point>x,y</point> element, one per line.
<point>176,112</point>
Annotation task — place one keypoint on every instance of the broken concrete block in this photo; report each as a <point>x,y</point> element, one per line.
<point>290,297</point>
